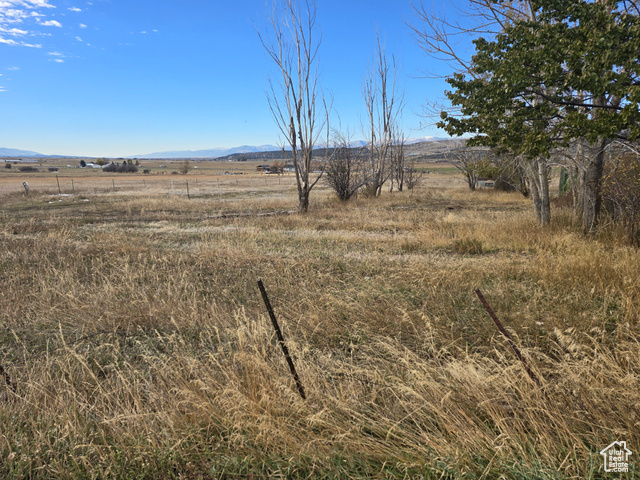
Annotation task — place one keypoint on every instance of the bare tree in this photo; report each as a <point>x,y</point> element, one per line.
<point>412,176</point>
<point>345,167</point>
<point>184,166</point>
<point>398,160</point>
<point>277,167</point>
<point>451,41</point>
<point>468,161</point>
<point>292,42</point>
<point>383,103</point>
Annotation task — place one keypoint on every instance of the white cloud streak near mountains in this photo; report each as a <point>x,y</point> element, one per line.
<point>18,19</point>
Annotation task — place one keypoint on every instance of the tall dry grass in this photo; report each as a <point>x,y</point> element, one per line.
<point>135,334</point>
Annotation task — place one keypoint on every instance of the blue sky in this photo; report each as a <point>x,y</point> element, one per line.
<point>127,77</point>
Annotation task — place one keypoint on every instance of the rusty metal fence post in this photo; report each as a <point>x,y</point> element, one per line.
<point>281,341</point>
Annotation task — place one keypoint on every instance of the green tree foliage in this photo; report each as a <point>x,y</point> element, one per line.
<point>568,73</point>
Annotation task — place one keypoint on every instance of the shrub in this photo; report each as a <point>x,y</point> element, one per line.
<point>507,173</point>
<point>621,194</point>
<point>53,169</point>
<point>278,167</point>
<point>28,168</point>
<point>7,165</point>
<point>467,246</point>
<point>120,168</point>
<point>344,170</point>
<point>185,167</point>
<point>412,176</point>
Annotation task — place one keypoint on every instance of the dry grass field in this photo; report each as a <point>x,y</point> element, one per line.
<point>134,333</point>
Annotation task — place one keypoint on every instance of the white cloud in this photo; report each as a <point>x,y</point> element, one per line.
<point>57,60</point>
<point>78,39</point>
<point>13,69</point>
<point>14,32</point>
<point>23,13</point>
<point>34,3</point>
<point>12,15</point>
<point>13,43</point>
<point>75,9</point>
<point>51,23</point>
<point>144,32</point>
<point>82,25</point>
<point>56,54</point>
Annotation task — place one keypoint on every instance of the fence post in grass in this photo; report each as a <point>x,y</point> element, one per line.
<point>73,187</point>
<point>285,350</point>
<point>26,188</point>
<point>188,195</point>
<point>113,184</point>
<point>515,349</point>
<point>58,181</point>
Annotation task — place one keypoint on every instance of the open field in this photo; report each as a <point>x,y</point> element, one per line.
<point>133,331</point>
<point>205,178</point>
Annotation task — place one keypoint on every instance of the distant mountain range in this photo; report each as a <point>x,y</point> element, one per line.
<point>224,152</point>
<point>210,153</point>
<point>412,141</point>
<point>14,152</point>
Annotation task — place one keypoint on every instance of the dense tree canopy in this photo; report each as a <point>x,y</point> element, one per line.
<point>571,72</point>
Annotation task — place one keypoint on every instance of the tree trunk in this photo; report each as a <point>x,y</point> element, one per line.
<point>545,204</point>
<point>471,181</point>
<point>592,187</point>
<point>538,174</point>
<point>577,179</point>
<point>535,194</point>
<point>303,198</point>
